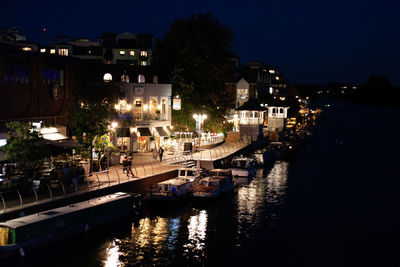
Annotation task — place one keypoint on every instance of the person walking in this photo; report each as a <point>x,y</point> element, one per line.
<point>160,153</point>
<point>129,167</point>
<point>103,162</point>
<point>155,153</point>
<point>125,165</point>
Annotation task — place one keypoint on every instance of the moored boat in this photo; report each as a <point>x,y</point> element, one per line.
<point>176,188</point>
<point>25,233</point>
<point>219,182</point>
<point>243,167</point>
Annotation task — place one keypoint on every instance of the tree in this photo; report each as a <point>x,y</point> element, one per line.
<point>195,57</point>
<point>377,90</point>
<point>24,146</point>
<point>90,112</point>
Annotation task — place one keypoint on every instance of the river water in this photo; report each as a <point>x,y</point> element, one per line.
<point>337,205</point>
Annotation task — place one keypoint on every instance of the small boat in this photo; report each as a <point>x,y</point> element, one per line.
<point>243,167</point>
<point>28,232</point>
<point>176,188</point>
<point>218,183</point>
<point>264,156</point>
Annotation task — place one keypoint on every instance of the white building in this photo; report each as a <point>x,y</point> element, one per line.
<point>251,119</point>
<point>149,105</point>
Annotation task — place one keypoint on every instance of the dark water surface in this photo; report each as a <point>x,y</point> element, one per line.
<point>337,205</point>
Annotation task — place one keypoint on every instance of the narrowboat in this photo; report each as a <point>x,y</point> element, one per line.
<point>243,167</point>
<point>28,232</point>
<point>215,185</point>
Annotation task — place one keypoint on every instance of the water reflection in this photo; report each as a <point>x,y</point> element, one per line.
<point>261,201</point>
<point>186,233</point>
<point>113,253</point>
<point>197,226</point>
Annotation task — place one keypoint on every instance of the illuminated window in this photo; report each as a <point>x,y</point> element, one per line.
<point>277,78</point>
<point>125,78</point>
<point>143,63</point>
<point>143,53</point>
<point>132,53</point>
<point>63,52</point>
<point>52,51</point>
<point>272,71</point>
<point>141,78</point>
<point>26,48</point>
<point>107,77</point>
<point>42,50</point>
<point>122,52</point>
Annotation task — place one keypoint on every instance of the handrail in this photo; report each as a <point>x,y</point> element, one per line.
<point>4,203</point>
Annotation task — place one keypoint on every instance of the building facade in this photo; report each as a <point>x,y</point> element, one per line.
<point>149,106</point>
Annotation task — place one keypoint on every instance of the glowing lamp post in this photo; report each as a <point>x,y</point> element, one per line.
<point>199,121</point>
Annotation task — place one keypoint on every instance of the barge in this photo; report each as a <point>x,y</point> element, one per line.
<point>28,232</point>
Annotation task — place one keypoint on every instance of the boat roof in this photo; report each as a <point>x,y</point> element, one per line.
<point>220,170</point>
<point>45,215</point>
<point>175,181</point>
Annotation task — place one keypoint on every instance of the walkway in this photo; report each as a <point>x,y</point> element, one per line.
<point>143,166</point>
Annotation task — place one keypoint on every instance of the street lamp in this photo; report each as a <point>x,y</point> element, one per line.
<point>199,121</point>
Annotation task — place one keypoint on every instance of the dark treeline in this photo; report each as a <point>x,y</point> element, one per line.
<point>377,90</point>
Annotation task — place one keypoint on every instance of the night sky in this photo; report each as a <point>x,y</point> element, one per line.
<point>310,41</point>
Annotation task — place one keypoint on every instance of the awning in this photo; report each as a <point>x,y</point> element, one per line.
<point>161,131</point>
<point>123,132</point>
<point>144,131</point>
<point>171,132</point>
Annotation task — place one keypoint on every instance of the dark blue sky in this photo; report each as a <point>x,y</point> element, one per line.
<point>311,41</point>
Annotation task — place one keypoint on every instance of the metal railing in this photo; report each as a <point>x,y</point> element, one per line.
<point>56,189</point>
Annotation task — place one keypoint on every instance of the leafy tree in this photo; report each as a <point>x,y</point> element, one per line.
<point>195,57</point>
<point>24,146</point>
<point>90,112</point>
<point>377,90</point>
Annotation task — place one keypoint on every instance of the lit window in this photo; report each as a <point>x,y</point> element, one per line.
<point>143,63</point>
<point>141,78</point>
<point>107,77</point>
<point>277,78</point>
<point>63,52</point>
<point>122,52</point>
<point>272,71</point>
<point>52,51</point>
<point>26,48</point>
<point>125,78</point>
<point>143,53</point>
<point>42,50</point>
<point>132,53</point>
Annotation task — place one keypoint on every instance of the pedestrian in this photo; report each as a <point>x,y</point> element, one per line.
<point>129,169</point>
<point>160,153</point>
<point>125,164</point>
<point>103,163</point>
<point>155,153</point>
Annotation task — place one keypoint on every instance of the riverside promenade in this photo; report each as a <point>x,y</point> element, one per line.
<point>146,172</point>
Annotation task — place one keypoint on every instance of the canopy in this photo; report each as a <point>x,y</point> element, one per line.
<point>161,131</point>
<point>144,131</point>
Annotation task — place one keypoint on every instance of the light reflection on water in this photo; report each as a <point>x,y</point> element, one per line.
<point>197,226</point>
<point>260,202</point>
<point>112,259</point>
<point>185,236</point>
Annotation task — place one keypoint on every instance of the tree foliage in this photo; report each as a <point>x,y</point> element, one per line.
<point>195,57</point>
<point>91,110</point>
<point>24,146</point>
